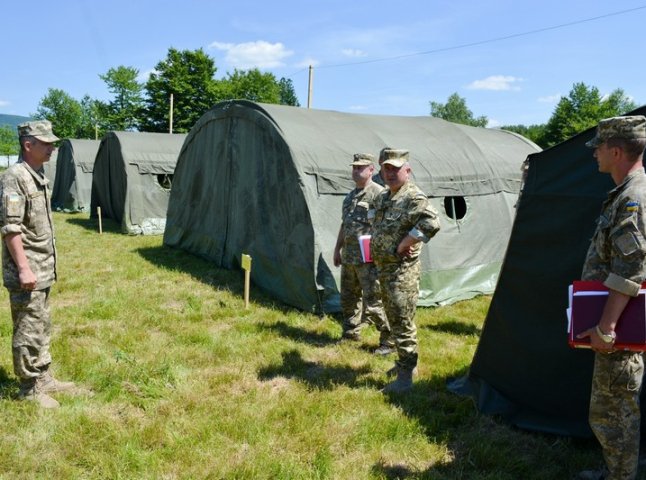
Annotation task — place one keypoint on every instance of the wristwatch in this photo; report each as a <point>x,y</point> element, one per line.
<point>606,337</point>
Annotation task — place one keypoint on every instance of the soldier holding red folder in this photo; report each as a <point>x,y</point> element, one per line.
<point>617,257</point>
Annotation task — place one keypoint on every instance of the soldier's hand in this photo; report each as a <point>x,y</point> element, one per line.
<point>596,343</point>
<point>27,279</point>
<point>405,247</point>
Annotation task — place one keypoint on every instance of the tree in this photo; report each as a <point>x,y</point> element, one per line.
<point>63,111</point>
<point>189,76</point>
<point>125,110</point>
<point>533,132</point>
<point>287,93</point>
<point>582,109</point>
<point>251,85</point>
<point>455,110</point>
<point>93,123</point>
<point>8,141</point>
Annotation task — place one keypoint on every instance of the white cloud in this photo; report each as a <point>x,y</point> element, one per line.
<point>144,76</point>
<point>4,103</point>
<point>496,82</point>
<point>550,98</point>
<point>492,123</point>
<point>358,108</point>
<point>353,52</point>
<point>258,54</point>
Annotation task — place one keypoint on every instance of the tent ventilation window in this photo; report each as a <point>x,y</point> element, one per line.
<point>455,207</point>
<point>165,180</point>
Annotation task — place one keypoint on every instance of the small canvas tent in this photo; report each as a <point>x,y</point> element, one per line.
<point>269,181</point>
<point>74,165</point>
<point>523,367</point>
<point>132,178</point>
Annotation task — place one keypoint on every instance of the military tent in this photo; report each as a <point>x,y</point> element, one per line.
<point>74,165</point>
<point>49,168</point>
<point>132,178</point>
<point>523,368</point>
<point>269,181</point>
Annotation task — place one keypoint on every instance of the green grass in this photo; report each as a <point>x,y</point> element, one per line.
<point>190,385</point>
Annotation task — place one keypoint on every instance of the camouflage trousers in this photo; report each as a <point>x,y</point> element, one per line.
<point>400,290</point>
<point>614,410</point>
<point>361,299</point>
<point>31,332</point>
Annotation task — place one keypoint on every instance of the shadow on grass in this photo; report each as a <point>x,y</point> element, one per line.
<point>205,272</point>
<point>316,375</point>
<point>455,328</point>
<point>8,384</point>
<point>301,335</point>
<point>82,220</point>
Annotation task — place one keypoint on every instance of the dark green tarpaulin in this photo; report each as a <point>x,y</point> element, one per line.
<point>523,367</point>
<point>74,166</point>
<point>269,181</point>
<point>132,178</point>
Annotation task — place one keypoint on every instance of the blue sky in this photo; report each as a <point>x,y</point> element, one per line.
<point>511,59</point>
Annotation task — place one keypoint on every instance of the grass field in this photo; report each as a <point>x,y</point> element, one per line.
<point>190,385</point>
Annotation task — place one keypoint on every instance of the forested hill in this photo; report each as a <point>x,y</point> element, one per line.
<point>12,120</point>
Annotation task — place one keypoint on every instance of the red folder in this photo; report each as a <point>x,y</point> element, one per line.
<point>587,301</point>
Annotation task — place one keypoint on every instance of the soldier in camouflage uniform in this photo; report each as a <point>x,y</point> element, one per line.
<point>377,177</point>
<point>360,291</point>
<point>29,262</point>
<point>404,218</point>
<point>617,257</point>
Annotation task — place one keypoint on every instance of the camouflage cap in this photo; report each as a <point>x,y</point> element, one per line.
<point>362,159</point>
<point>628,128</point>
<point>40,129</point>
<point>395,157</point>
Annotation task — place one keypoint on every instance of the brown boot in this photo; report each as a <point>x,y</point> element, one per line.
<point>29,391</point>
<point>46,383</point>
<point>402,384</point>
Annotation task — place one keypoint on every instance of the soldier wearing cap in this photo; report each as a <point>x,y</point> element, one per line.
<point>378,177</point>
<point>404,219</point>
<point>617,257</point>
<point>29,261</point>
<point>360,291</point>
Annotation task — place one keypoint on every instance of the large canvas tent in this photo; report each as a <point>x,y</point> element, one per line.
<point>74,166</point>
<point>523,367</point>
<point>269,181</point>
<point>49,168</point>
<point>132,177</point>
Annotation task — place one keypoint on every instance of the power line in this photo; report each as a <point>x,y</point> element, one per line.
<point>480,42</point>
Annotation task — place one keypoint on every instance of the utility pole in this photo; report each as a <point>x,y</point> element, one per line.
<point>309,87</point>
<point>170,130</point>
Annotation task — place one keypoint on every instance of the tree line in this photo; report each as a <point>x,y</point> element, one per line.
<point>581,109</point>
<point>189,75</point>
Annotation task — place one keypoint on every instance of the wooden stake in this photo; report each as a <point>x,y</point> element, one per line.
<point>98,212</point>
<point>246,266</point>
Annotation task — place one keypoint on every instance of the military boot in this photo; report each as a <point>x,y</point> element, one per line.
<point>402,384</point>
<point>29,391</point>
<point>386,345</point>
<point>46,383</point>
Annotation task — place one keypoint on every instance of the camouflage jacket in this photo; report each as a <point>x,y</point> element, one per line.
<point>407,212</point>
<point>25,208</point>
<point>617,253</point>
<point>358,214</point>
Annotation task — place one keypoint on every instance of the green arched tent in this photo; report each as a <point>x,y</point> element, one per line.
<point>523,368</point>
<point>74,166</point>
<point>132,179</point>
<point>269,181</point>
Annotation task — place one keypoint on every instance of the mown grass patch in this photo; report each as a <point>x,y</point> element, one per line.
<point>190,385</point>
